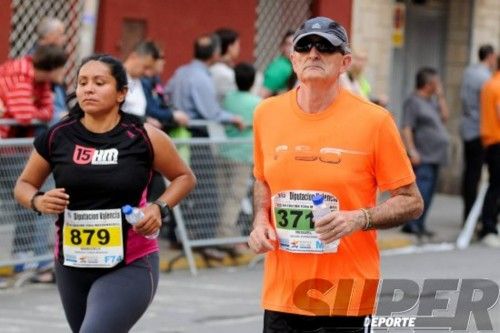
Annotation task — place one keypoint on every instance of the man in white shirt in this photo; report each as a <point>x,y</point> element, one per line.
<point>223,71</point>
<point>136,64</point>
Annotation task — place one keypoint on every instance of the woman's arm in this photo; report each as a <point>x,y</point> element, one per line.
<point>182,180</point>
<point>30,181</point>
<point>168,162</point>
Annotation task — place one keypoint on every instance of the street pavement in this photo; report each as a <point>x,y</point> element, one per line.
<point>226,299</point>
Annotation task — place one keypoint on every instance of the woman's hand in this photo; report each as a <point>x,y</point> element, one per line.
<point>54,201</point>
<point>151,222</point>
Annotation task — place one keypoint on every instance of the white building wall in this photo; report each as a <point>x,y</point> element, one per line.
<point>371,31</point>
<point>485,25</point>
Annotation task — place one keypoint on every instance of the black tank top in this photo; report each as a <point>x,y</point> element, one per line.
<point>98,170</point>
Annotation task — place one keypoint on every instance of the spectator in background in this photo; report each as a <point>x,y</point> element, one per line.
<point>239,157</point>
<point>355,81</point>
<point>51,31</point>
<point>473,80</point>
<point>192,89</point>
<point>426,139</point>
<point>490,136</point>
<point>140,61</point>
<point>160,115</point>
<point>25,96</point>
<point>25,88</point>
<point>279,73</point>
<point>156,106</point>
<point>222,71</point>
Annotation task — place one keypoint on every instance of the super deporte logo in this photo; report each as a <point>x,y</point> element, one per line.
<point>85,155</point>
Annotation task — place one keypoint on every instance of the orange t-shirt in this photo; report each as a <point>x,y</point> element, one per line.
<point>349,150</point>
<point>490,101</point>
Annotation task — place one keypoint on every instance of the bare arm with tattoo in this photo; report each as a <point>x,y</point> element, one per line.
<point>263,237</point>
<point>404,204</point>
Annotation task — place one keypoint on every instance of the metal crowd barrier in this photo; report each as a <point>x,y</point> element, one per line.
<point>215,213</point>
<point>25,238</point>
<point>13,122</point>
<point>218,211</point>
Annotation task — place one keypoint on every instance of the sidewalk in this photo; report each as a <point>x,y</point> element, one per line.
<point>444,219</point>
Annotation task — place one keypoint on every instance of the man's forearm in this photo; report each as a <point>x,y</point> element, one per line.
<point>405,204</point>
<point>443,108</point>
<point>407,136</point>
<point>261,202</point>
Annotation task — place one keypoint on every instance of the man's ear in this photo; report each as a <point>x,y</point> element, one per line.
<point>293,59</point>
<point>346,63</point>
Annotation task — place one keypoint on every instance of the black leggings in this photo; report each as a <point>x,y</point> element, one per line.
<point>96,300</point>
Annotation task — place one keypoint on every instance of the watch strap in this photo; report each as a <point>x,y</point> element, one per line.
<point>164,208</point>
<point>32,202</point>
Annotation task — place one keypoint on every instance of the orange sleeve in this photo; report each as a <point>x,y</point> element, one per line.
<point>258,158</point>
<point>392,166</point>
<point>496,98</point>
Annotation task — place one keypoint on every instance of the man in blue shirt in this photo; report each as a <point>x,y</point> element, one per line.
<point>474,77</point>
<point>192,89</point>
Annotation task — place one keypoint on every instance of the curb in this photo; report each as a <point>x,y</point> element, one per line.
<point>173,260</point>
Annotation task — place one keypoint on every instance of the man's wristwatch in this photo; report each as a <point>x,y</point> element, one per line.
<point>164,208</point>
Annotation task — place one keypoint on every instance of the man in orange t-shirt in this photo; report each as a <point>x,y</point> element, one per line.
<point>322,275</point>
<point>490,137</point>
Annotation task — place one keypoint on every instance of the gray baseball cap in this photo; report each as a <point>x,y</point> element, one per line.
<point>326,28</point>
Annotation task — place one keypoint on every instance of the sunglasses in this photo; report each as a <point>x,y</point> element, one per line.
<point>322,46</point>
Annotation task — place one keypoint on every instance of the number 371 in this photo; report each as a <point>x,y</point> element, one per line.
<point>294,217</point>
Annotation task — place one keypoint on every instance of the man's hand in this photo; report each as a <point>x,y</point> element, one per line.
<point>154,122</point>
<point>238,122</point>
<point>262,238</point>
<point>339,224</point>
<point>181,117</point>
<point>415,158</point>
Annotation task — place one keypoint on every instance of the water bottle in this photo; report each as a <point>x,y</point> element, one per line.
<point>133,215</point>
<point>319,210</point>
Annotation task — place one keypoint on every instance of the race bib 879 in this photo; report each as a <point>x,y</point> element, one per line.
<point>92,238</point>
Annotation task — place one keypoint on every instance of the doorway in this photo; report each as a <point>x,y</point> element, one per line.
<point>425,45</point>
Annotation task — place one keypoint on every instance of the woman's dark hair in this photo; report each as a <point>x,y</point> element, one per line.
<point>227,38</point>
<point>245,76</point>
<point>49,57</point>
<point>117,71</point>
